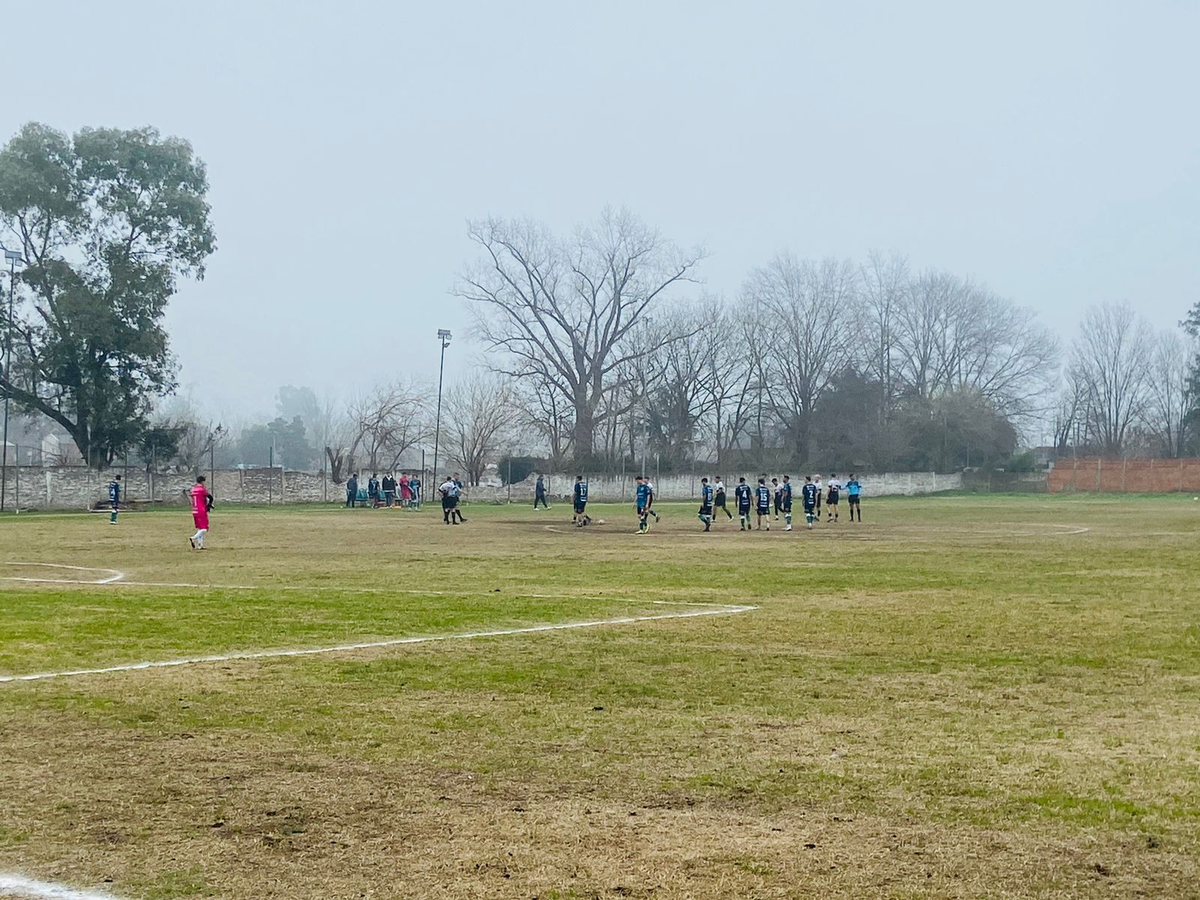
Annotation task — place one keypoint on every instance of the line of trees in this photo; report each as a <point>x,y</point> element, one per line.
<point>602,347</point>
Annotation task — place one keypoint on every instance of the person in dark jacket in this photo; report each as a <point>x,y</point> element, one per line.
<point>352,491</point>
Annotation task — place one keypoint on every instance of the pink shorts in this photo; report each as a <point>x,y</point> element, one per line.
<point>201,520</point>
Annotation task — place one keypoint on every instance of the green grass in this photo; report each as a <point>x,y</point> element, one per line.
<point>963,696</point>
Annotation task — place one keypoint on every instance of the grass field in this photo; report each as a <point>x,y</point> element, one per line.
<point>962,697</point>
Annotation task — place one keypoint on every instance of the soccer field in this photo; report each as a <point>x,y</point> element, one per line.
<point>961,697</point>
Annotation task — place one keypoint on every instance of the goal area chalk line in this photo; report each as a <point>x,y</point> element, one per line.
<point>19,886</point>
<point>114,578</point>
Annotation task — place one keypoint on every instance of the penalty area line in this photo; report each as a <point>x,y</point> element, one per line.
<point>371,645</point>
<point>19,886</point>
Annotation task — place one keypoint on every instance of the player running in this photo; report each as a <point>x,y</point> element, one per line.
<point>763,495</point>
<point>809,494</point>
<point>114,497</point>
<point>643,504</point>
<point>719,502</point>
<point>785,491</point>
<point>854,496</point>
<point>831,501</point>
<point>580,517</point>
<point>706,504</point>
<point>741,495</point>
<point>202,504</point>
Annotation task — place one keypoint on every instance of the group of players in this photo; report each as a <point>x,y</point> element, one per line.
<point>761,498</point>
<point>778,495</point>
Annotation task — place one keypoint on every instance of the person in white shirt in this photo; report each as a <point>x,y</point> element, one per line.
<point>817,482</point>
<point>831,501</point>
<point>719,489</point>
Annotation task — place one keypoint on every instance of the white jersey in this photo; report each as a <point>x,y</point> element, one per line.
<point>835,485</point>
<point>719,487</point>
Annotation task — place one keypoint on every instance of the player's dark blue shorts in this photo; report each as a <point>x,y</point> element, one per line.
<point>580,507</point>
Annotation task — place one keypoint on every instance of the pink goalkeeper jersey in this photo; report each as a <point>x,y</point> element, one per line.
<point>199,500</point>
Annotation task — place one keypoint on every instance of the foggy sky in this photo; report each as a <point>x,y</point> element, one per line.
<point>1050,150</point>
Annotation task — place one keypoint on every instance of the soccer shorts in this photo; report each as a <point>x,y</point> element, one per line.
<point>580,507</point>
<point>853,499</point>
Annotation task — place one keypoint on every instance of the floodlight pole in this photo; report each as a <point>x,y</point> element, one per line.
<point>444,337</point>
<point>13,258</point>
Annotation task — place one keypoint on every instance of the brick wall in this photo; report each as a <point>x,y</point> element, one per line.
<point>1125,475</point>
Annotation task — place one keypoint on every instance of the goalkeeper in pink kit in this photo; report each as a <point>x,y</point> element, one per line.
<point>202,502</point>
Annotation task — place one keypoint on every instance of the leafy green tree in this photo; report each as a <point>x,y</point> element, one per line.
<point>108,221</point>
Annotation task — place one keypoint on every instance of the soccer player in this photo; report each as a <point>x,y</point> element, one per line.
<point>785,490</point>
<point>449,490</point>
<point>831,502</point>
<point>202,504</point>
<point>763,495</point>
<point>809,494</point>
<point>580,516</point>
<point>706,504</point>
<point>114,497</point>
<point>650,501</point>
<point>643,504</point>
<point>741,495</point>
<point>719,502</point>
<point>854,495</point>
<point>778,492</point>
<point>817,482</point>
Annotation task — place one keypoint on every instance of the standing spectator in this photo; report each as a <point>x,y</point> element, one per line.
<point>539,494</point>
<point>414,490</point>
<point>352,490</point>
<point>389,490</point>
<point>405,489</point>
<point>373,490</point>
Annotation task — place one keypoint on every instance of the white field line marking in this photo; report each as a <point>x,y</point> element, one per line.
<point>369,645</point>
<point>15,885</point>
<point>113,574</point>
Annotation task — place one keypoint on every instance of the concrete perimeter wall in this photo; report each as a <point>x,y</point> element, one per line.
<point>74,487</point>
<point>1124,475</point>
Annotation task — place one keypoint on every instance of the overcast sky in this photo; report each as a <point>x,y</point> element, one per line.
<point>1049,149</point>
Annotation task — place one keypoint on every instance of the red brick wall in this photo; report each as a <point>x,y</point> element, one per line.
<point>1141,475</point>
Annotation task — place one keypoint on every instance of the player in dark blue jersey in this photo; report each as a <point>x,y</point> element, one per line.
<point>785,500</point>
<point>580,516</point>
<point>762,496</point>
<point>706,504</point>
<point>808,497</point>
<point>114,497</point>
<point>644,493</point>
<point>741,494</point>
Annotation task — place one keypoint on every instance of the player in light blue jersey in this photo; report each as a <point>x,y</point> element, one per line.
<point>644,493</point>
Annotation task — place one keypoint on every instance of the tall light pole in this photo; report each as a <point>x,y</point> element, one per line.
<point>12,257</point>
<point>444,337</point>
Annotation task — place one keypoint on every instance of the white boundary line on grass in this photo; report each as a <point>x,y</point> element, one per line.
<point>369,645</point>
<point>113,574</point>
<point>20,886</point>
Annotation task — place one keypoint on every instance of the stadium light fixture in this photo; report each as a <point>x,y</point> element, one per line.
<point>12,257</point>
<point>444,337</point>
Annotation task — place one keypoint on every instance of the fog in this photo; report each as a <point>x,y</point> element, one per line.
<point>1050,151</point>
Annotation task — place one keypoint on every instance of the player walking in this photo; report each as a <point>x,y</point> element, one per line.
<point>763,495</point>
<point>114,497</point>
<point>809,494</point>
<point>580,516</point>
<point>706,504</point>
<point>777,491</point>
<point>202,504</point>
<point>817,482</point>
<point>831,502</point>
<point>741,495</point>
<point>719,501</point>
<point>450,489</point>
<point>854,496</point>
<point>785,491</point>
<point>643,504</point>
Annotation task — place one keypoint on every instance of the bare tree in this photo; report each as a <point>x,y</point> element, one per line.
<point>544,411</point>
<point>1167,411</point>
<point>563,311</point>
<point>804,314</point>
<point>1112,360</point>
<point>886,283</point>
<point>481,412</point>
<point>387,422</point>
